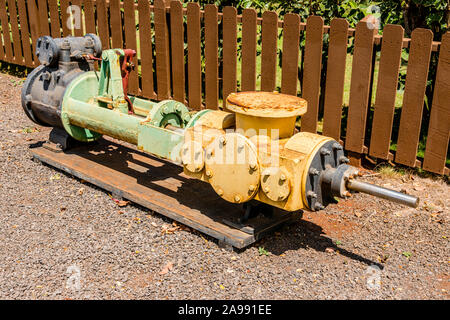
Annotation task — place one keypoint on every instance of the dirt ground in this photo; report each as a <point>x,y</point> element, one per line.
<point>62,238</point>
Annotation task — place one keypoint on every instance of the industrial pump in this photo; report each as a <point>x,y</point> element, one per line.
<point>247,152</point>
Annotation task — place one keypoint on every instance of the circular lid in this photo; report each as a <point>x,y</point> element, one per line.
<point>266,104</point>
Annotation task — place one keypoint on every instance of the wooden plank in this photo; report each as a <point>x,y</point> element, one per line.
<point>194,56</point>
<point>102,23</point>
<point>291,52</point>
<point>439,127</point>
<point>312,70</point>
<point>65,18</point>
<point>34,27</point>
<point>77,8</point>
<point>229,52</point>
<point>391,51</point>
<point>44,27</point>
<point>177,44</point>
<point>89,16</point>
<point>359,90</point>
<point>162,51</point>
<point>413,97</point>
<point>17,46</point>
<point>131,43</point>
<point>6,32</point>
<point>116,24</point>
<point>248,65</point>
<point>25,34</point>
<point>269,35</point>
<point>211,55</point>
<point>163,189</point>
<point>55,25</point>
<point>334,93</point>
<point>145,37</point>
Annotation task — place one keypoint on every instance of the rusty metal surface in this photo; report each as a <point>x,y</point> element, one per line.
<point>270,104</point>
<point>160,186</point>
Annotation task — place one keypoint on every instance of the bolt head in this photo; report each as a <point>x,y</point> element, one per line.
<point>282,178</point>
<point>222,140</point>
<point>251,187</point>
<point>209,173</point>
<point>237,198</point>
<point>220,192</point>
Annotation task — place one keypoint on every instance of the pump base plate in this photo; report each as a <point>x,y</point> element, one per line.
<point>162,187</point>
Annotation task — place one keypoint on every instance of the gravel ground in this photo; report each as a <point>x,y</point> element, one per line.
<point>55,229</point>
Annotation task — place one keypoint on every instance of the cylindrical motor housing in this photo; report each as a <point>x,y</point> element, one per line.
<point>62,60</point>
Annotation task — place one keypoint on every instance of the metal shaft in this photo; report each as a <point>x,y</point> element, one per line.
<point>384,193</point>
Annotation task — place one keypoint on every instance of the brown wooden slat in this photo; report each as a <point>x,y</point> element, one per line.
<point>269,34</point>
<point>413,97</point>
<point>194,58</point>
<point>24,34</point>
<point>6,32</point>
<point>229,52</point>
<point>55,25</point>
<point>334,93</point>
<point>211,54</point>
<point>248,65</point>
<point>145,37</point>
<point>130,42</point>
<point>391,50</point>
<point>89,16</point>
<point>177,44</point>
<point>78,24</point>
<point>311,74</point>
<point>17,46</point>
<point>116,24</point>
<point>162,51</point>
<point>359,88</point>
<point>64,4</point>
<point>439,127</point>
<point>34,26</point>
<point>291,51</point>
<point>44,28</point>
<point>102,23</point>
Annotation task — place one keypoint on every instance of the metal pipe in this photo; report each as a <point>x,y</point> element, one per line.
<point>384,193</point>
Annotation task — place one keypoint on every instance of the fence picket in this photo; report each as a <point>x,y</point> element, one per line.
<point>34,27</point>
<point>17,46</point>
<point>413,97</point>
<point>89,16</point>
<point>145,37</point>
<point>312,70</point>
<point>194,56</point>
<point>211,55</point>
<point>130,42</point>
<point>249,29</point>
<point>6,32</point>
<point>335,79</point>
<point>116,24</point>
<point>78,22</point>
<point>65,17</point>
<point>44,27</point>
<point>359,91</point>
<point>439,127</point>
<point>102,23</point>
<point>162,51</point>
<point>177,44</point>
<point>55,25</point>
<point>269,35</point>
<point>229,52</point>
<point>391,50</point>
<point>291,52</point>
<point>24,34</point>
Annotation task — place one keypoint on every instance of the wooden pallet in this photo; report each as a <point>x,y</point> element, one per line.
<point>162,187</point>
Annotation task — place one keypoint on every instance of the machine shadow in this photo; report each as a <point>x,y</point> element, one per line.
<point>166,178</point>
<point>304,234</point>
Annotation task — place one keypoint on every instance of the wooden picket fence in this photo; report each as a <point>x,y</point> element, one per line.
<point>169,37</point>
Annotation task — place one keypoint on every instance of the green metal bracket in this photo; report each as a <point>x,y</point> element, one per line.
<point>110,87</point>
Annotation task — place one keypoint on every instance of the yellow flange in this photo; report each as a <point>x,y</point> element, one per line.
<point>231,167</point>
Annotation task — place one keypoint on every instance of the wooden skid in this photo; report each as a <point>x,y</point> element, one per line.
<point>160,186</point>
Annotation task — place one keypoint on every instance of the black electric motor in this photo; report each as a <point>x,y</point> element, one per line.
<point>62,60</point>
